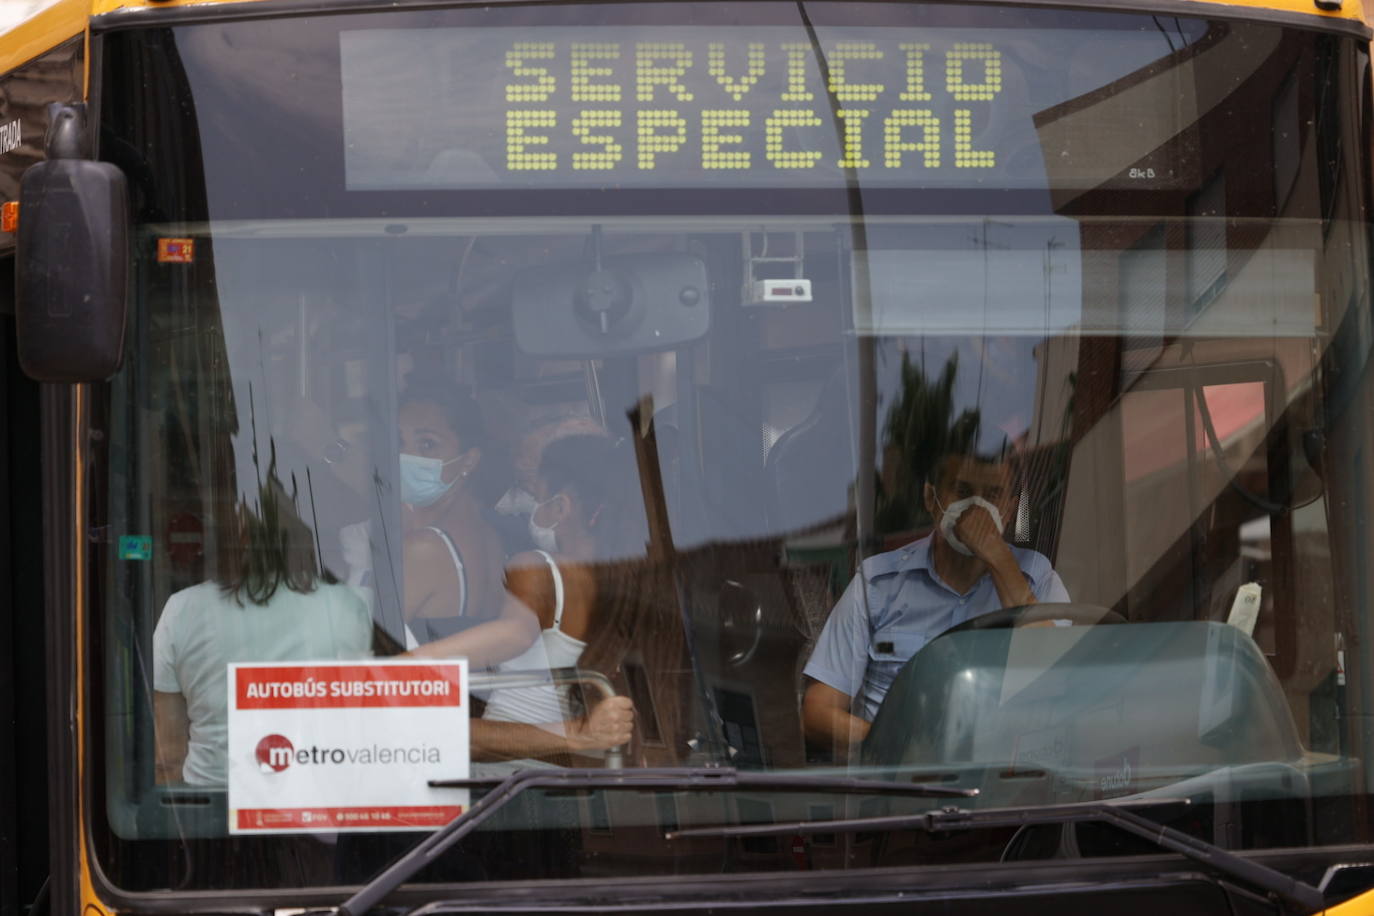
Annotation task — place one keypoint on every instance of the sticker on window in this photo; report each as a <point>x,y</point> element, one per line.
<point>135,547</point>
<point>176,251</point>
<point>325,747</point>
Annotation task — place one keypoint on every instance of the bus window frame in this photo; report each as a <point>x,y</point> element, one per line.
<point>782,887</point>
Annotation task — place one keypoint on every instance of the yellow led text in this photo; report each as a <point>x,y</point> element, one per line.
<point>607,105</point>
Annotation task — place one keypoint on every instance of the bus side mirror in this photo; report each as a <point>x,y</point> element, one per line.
<point>72,270</point>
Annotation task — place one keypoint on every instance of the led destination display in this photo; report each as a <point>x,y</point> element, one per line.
<point>669,119</point>
<point>684,106</point>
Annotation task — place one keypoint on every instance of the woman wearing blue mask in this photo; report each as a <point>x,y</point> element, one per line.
<point>582,525</point>
<point>452,554</point>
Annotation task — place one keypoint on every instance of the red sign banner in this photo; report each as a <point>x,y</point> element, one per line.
<point>316,818</point>
<point>347,686</point>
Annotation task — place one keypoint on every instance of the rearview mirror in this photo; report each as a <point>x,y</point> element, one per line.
<point>72,270</point>
<point>628,304</point>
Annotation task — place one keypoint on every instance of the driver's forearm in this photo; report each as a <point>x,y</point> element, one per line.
<point>833,728</point>
<point>1013,588</point>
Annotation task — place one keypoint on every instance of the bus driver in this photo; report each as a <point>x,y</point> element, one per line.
<point>905,598</point>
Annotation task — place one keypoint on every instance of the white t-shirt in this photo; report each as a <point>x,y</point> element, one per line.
<point>202,630</point>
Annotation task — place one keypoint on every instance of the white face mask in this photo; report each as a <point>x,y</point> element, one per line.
<point>422,480</point>
<point>950,517</point>
<point>516,501</point>
<point>544,537</point>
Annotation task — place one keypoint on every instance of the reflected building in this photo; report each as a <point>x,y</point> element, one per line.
<point>1216,264</point>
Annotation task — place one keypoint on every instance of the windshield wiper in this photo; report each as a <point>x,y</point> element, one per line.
<point>678,779</point>
<point>1289,889</point>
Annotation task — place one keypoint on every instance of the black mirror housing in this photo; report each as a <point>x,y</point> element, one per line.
<point>71,284</point>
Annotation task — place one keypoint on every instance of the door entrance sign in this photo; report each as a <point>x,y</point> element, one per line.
<point>325,747</point>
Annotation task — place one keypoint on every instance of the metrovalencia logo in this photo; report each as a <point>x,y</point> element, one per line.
<point>275,753</point>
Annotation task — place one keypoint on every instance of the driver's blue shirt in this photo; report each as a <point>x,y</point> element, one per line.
<point>896,606</point>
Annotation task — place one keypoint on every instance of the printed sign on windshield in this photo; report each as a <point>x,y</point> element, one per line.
<point>346,746</point>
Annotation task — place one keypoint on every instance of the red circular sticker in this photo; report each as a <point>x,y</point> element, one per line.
<point>274,753</point>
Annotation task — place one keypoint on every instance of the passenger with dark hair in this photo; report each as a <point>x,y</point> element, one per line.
<point>584,492</point>
<point>452,554</point>
<point>270,601</point>
<point>904,598</point>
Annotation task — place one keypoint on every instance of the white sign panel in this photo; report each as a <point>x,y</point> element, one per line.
<point>323,747</point>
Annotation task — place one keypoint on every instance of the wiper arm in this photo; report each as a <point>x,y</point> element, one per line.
<point>678,779</point>
<point>1291,890</point>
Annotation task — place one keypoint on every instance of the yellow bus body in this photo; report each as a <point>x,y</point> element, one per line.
<point>64,20</point>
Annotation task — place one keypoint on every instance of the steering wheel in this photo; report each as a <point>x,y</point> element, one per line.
<point>912,695</point>
<point>1045,615</point>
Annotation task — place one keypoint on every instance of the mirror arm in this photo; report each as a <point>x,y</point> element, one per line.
<point>67,137</point>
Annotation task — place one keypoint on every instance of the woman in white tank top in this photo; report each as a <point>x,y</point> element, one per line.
<point>581,484</point>
<point>554,649</point>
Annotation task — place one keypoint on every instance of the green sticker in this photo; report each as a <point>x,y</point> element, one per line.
<point>135,547</point>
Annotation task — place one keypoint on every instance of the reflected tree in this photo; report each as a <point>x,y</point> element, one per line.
<point>920,426</point>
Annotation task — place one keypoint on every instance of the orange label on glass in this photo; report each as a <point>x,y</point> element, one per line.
<point>176,251</point>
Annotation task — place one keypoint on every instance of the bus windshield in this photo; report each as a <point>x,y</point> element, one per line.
<point>931,393</point>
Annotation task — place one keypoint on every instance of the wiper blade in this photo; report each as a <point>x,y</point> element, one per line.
<point>678,779</point>
<point>1118,813</point>
<point>711,779</point>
